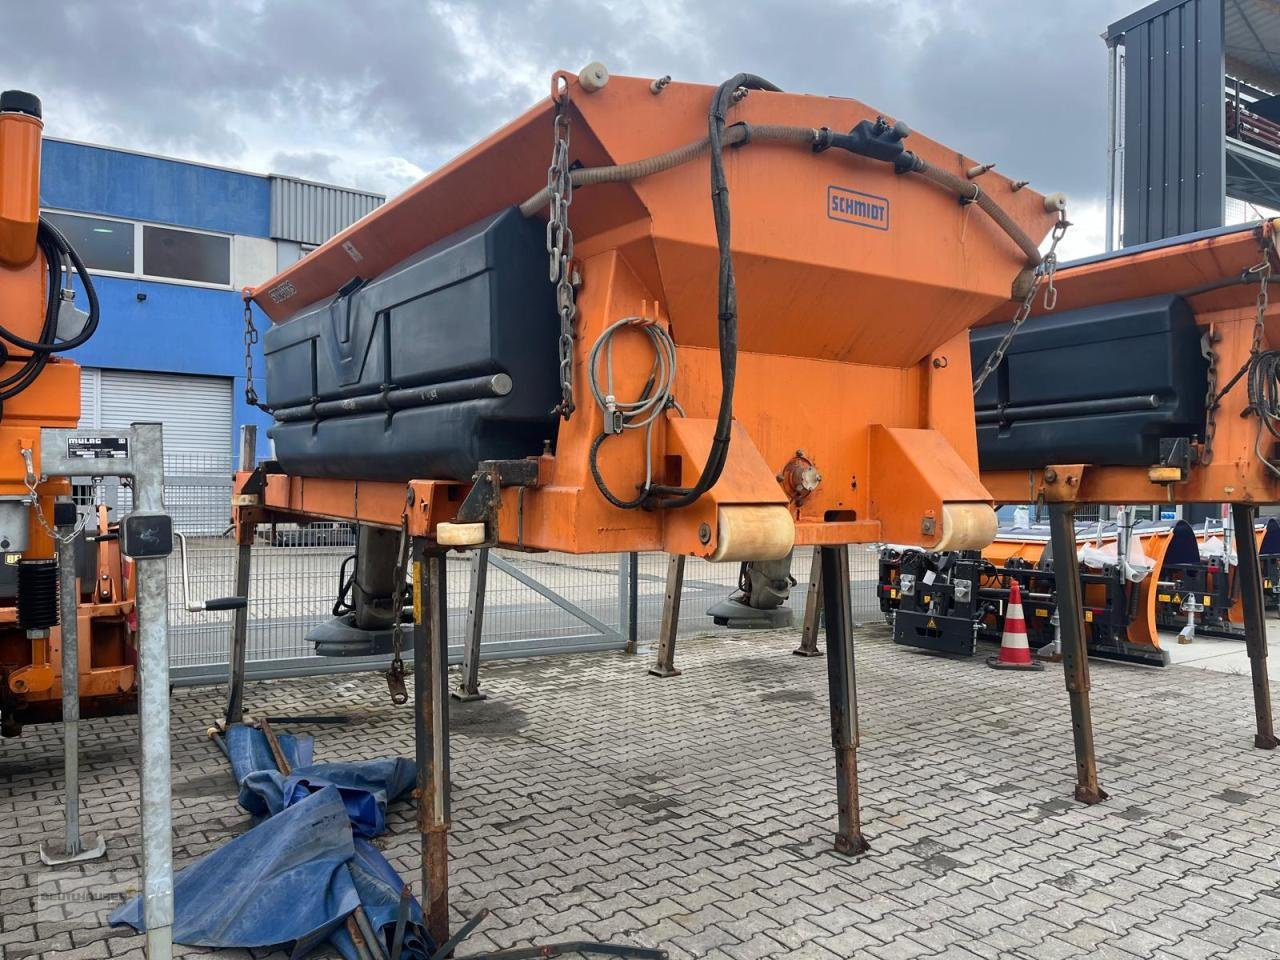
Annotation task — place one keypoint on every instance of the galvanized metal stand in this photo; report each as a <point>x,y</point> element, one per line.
<point>843,688</point>
<point>146,536</point>
<point>1249,576</point>
<point>431,730</point>
<point>74,848</point>
<point>812,610</point>
<point>665,663</point>
<point>240,618</point>
<point>468,687</point>
<point>1075,654</point>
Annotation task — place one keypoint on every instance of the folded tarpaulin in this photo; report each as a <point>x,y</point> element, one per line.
<point>367,786</point>
<point>294,878</point>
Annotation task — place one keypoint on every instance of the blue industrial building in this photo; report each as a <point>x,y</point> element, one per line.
<point>171,244</point>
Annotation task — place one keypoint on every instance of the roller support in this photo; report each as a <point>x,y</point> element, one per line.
<point>1249,576</point>
<point>812,610</point>
<point>468,688</point>
<point>431,730</point>
<point>842,682</point>
<point>1075,656</point>
<point>665,663</point>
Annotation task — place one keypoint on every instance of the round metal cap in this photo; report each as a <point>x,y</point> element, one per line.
<point>19,101</point>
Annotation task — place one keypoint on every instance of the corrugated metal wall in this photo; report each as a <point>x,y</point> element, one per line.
<point>312,213</point>
<point>1174,120</point>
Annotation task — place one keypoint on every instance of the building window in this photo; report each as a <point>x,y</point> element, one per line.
<point>184,255</point>
<point>102,244</point>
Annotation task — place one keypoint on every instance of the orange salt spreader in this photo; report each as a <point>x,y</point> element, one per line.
<point>1147,376</point>
<point>720,322</point>
<point>40,388</point>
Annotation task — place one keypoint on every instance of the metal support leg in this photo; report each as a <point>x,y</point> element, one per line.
<point>665,664</point>
<point>468,688</point>
<point>1249,576</point>
<point>431,732</point>
<point>153,705</point>
<point>74,849</point>
<point>843,687</point>
<point>812,608</point>
<point>1075,654</point>
<point>239,635</point>
<point>240,617</point>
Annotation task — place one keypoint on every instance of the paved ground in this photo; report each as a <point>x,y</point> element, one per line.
<point>593,801</point>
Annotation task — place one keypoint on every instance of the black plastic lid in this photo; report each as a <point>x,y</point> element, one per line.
<point>19,101</point>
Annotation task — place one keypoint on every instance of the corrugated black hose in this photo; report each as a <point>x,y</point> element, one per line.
<point>669,497</point>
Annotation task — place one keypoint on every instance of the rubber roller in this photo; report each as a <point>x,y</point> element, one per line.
<point>966,526</point>
<point>754,533</point>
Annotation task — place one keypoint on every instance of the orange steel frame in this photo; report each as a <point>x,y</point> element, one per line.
<point>31,666</point>
<point>853,353</point>
<point>853,341</point>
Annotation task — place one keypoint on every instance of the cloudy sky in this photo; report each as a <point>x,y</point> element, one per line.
<point>376,93</point>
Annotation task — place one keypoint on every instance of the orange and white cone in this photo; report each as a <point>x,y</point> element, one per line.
<point>1015,652</point>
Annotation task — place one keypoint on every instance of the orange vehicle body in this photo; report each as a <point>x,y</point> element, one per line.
<point>853,336</point>
<point>30,666</point>
<point>1226,314</point>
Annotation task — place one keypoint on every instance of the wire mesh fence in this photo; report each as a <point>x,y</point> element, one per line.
<point>534,603</point>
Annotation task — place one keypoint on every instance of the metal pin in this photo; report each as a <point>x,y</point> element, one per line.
<point>657,86</point>
<point>977,171</point>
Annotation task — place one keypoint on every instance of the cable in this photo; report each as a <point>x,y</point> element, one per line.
<point>55,247</point>
<point>656,396</point>
<point>727,330</point>
<point>1264,400</point>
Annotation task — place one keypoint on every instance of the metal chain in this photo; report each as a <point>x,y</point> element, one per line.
<point>560,246</point>
<point>50,531</point>
<point>1044,275</point>
<point>1213,399</point>
<point>395,673</point>
<point>250,340</point>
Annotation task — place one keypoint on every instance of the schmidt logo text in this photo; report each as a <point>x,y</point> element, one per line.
<point>862,209</point>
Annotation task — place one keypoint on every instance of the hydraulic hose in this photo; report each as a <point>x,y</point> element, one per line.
<point>727,329</point>
<point>969,190</point>
<point>56,250</point>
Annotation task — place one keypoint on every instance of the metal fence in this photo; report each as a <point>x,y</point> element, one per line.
<point>535,603</point>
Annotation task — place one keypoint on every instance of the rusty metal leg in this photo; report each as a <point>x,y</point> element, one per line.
<point>239,631</point>
<point>665,664</point>
<point>1075,654</point>
<point>468,688</point>
<point>431,731</point>
<point>1249,576</point>
<point>842,683</point>
<point>812,608</point>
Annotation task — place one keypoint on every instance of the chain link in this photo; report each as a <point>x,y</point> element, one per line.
<point>560,247</point>
<point>395,673</point>
<point>250,341</point>
<point>1044,275</point>
<point>50,531</point>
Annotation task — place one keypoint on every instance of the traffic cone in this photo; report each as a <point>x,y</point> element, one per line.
<point>1014,654</point>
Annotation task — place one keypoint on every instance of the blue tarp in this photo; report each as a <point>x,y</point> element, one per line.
<point>297,874</point>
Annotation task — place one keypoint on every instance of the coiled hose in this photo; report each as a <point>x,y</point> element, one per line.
<point>640,414</point>
<point>1264,400</point>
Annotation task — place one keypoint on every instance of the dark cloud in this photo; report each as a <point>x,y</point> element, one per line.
<point>374,91</point>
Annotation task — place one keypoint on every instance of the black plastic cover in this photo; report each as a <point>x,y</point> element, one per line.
<point>19,101</point>
<point>1101,385</point>
<point>473,305</point>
